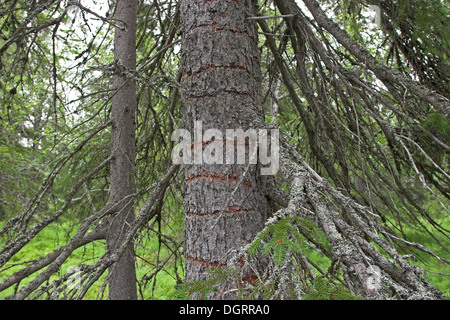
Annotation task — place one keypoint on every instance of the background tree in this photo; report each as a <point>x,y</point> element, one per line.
<point>122,275</point>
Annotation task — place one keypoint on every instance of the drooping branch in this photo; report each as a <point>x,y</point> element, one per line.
<point>389,76</point>
<point>24,29</point>
<point>350,131</point>
<point>401,27</point>
<point>352,240</point>
<point>53,261</point>
<point>12,247</point>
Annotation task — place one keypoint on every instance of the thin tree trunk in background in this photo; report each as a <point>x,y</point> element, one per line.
<point>122,275</point>
<point>223,203</point>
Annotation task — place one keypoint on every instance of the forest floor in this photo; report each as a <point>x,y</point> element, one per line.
<point>161,287</point>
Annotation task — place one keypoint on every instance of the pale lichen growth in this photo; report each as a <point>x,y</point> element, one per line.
<point>351,240</point>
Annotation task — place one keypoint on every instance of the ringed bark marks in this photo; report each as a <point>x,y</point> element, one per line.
<point>196,261</point>
<point>224,141</point>
<point>206,54</point>
<point>223,205</point>
<point>206,96</point>
<point>213,67</point>
<point>212,83</point>
<point>207,1</point>
<point>230,211</point>
<point>215,30</point>
<point>249,278</point>
<point>215,26</point>
<point>214,177</point>
<point>218,14</point>
<point>206,263</point>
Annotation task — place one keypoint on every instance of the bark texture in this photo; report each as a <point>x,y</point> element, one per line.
<point>122,277</point>
<point>224,204</point>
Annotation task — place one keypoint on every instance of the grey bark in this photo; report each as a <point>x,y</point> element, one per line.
<point>224,204</point>
<point>122,276</point>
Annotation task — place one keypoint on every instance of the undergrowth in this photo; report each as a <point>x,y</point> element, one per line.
<point>282,241</point>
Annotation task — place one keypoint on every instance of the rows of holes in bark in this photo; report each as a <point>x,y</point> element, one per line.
<point>220,65</point>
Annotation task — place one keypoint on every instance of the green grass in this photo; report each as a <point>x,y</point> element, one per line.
<point>430,263</point>
<point>55,235</point>
<point>47,241</point>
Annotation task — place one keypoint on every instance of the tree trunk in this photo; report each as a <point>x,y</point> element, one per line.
<point>122,275</point>
<point>224,204</point>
